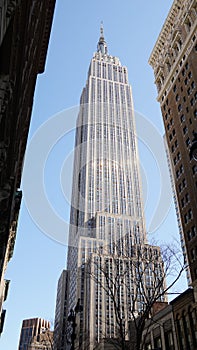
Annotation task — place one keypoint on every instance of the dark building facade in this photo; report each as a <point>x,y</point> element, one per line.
<point>174,327</point>
<point>24,35</point>
<point>185,320</point>
<point>174,60</point>
<point>159,332</point>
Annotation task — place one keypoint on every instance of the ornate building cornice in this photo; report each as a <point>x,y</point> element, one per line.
<point>173,43</point>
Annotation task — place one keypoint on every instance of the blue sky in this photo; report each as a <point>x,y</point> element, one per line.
<point>131,29</point>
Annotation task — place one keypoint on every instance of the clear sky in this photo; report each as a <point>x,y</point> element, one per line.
<point>131,29</point>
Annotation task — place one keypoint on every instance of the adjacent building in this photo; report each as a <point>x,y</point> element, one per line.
<point>24,36</point>
<point>174,61</point>
<point>61,312</point>
<point>172,326</point>
<point>107,239</point>
<point>32,331</point>
<point>160,332</point>
<point>185,319</point>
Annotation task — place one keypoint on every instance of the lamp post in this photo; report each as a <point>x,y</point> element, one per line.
<point>72,319</point>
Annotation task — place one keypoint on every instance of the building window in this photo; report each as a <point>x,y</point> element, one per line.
<point>182,118</point>
<point>169,340</point>
<point>180,335</point>
<point>189,91</point>
<point>193,231</point>
<point>187,142</point>
<point>190,214</point>
<point>193,254</point>
<point>192,321</point>
<point>185,130</point>
<point>157,343</point>
<point>194,169</point>
<point>176,143</point>
<point>189,235</point>
<point>179,107</point>
<point>187,198</point>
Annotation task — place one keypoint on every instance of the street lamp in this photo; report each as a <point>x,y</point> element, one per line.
<point>72,319</point>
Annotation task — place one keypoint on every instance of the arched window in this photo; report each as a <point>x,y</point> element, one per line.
<point>193,325</point>
<point>179,333</point>
<point>186,331</point>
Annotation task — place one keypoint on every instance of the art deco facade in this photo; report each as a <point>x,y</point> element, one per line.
<point>107,226</point>
<point>174,60</point>
<point>24,34</point>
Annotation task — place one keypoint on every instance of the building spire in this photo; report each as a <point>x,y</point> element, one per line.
<point>101,30</point>
<point>102,46</point>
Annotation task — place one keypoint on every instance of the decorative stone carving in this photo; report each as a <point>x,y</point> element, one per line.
<point>5,192</point>
<point>10,8</point>
<point>6,89</point>
<point>3,155</point>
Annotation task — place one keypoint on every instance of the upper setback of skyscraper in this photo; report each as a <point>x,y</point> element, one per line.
<point>105,135</point>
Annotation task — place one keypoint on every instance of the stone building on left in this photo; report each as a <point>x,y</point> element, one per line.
<point>25,27</point>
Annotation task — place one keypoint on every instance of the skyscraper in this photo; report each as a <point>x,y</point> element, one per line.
<point>61,314</point>
<point>107,221</point>
<point>174,60</point>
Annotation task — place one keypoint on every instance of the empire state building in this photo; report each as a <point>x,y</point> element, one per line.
<point>106,220</point>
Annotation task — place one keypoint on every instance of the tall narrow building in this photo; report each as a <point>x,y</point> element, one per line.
<point>174,61</point>
<point>107,221</point>
<point>61,313</point>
